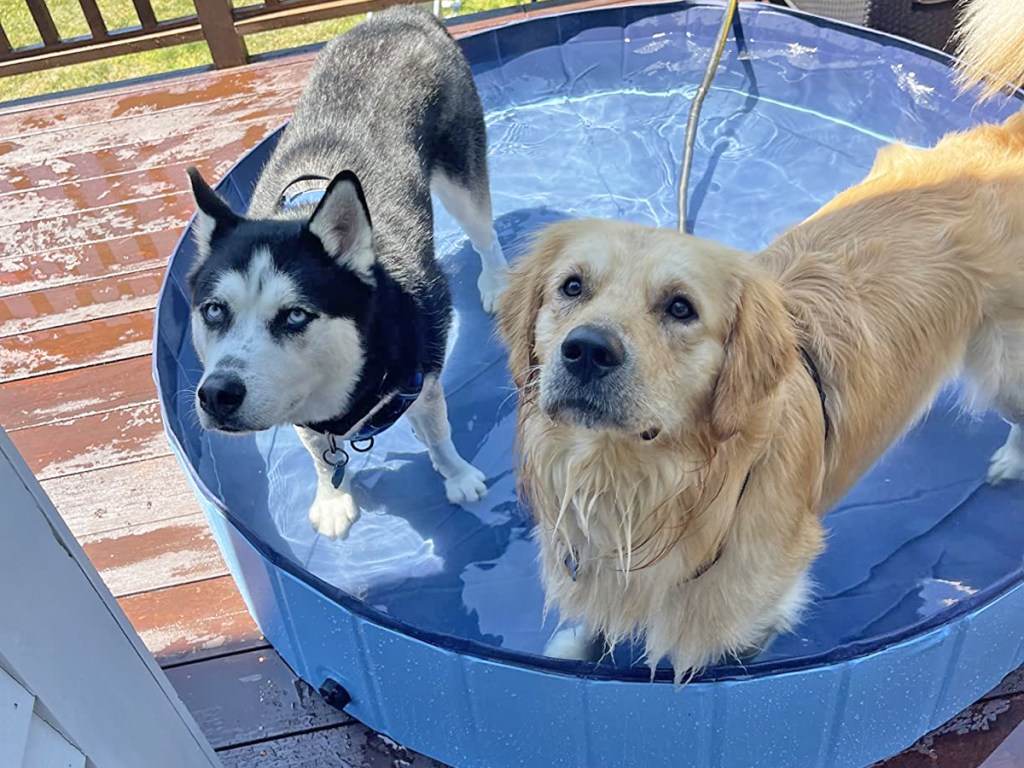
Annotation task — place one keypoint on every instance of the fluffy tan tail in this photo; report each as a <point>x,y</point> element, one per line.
<point>990,43</point>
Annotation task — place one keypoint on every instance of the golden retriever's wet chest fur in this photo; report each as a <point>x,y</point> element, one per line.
<point>612,518</point>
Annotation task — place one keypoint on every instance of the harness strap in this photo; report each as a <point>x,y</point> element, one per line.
<point>812,369</point>
<point>291,197</point>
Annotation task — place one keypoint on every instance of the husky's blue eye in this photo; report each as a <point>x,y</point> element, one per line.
<point>297,318</point>
<point>213,313</point>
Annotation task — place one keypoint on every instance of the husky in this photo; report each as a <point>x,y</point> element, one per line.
<point>324,307</point>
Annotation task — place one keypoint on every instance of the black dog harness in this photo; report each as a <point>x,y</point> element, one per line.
<point>374,412</point>
<point>812,370</point>
<point>380,406</point>
<point>308,194</point>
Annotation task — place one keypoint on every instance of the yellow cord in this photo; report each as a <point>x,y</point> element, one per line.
<point>691,126</point>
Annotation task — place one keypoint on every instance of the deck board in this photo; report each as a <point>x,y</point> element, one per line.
<point>121,497</point>
<point>192,621</point>
<point>67,304</point>
<point>93,200</point>
<point>97,441</point>
<point>75,346</point>
<point>266,700</point>
<point>76,393</point>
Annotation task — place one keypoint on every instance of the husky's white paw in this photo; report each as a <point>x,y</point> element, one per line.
<point>1006,464</point>
<point>465,485</point>
<point>571,643</point>
<point>333,514</point>
<point>492,283</point>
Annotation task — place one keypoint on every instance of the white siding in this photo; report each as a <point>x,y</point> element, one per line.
<point>65,639</point>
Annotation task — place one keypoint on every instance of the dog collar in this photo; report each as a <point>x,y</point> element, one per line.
<point>372,414</point>
<point>300,191</point>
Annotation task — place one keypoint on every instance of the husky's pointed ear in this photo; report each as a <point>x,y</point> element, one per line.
<point>342,223</point>
<point>214,217</point>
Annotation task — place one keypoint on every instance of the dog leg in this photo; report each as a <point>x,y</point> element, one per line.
<point>576,643</point>
<point>994,371</point>
<point>429,416</point>
<point>1008,462</point>
<point>334,510</point>
<point>472,209</point>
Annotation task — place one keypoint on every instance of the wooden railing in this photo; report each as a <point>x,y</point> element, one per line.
<point>222,27</point>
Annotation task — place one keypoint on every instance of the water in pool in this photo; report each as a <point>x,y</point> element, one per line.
<point>594,127</point>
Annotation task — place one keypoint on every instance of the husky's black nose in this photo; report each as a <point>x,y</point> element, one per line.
<point>590,353</point>
<point>221,395</point>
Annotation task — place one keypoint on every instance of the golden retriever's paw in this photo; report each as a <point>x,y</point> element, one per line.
<point>1007,464</point>
<point>333,514</point>
<point>571,643</point>
<point>492,283</point>
<point>465,485</point>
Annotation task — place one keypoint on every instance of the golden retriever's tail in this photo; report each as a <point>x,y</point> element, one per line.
<point>990,44</point>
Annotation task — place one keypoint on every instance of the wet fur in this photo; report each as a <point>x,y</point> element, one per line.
<point>909,278</point>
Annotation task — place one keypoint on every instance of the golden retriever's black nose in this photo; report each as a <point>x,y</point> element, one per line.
<point>221,395</point>
<point>589,353</point>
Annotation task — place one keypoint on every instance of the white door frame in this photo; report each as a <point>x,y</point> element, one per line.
<point>66,640</point>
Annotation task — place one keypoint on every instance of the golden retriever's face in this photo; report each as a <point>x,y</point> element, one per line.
<point>629,325</point>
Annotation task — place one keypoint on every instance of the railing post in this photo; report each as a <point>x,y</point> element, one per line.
<point>226,47</point>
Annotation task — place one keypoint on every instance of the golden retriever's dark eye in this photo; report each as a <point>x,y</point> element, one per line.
<point>572,287</point>
<point>681,309</point>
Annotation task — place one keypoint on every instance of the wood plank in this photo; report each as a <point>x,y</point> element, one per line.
<point>156,126</point>
<point>94,19</point>
<point>74,346</point>
<point>253,20</point>
<point>1012,684</point>
<point>79,50</point>
<point>129,102</point>
<point>193,621</point>
<point>125,186</point>
<point>122,496</point>
<point>226,46</point>
<point>43,21</point>
<point>144,10</point>
<point>967,740</point>
<point>346,746</point>
<point>5,43</point>
<point>97,441</point>
<point>57,233</point>
<point>68,304</point>
<point>89,262</point>
<point>251,696</point>
<point>227,140</point>
<point>73,394</point>
<point>155,555</point>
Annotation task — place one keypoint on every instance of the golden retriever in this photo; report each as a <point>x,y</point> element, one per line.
<point>687,412</point>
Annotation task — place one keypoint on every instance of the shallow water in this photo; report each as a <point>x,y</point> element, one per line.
<point>594,127</point>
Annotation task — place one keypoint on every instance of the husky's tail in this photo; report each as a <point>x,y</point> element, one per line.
<point>990,43</point>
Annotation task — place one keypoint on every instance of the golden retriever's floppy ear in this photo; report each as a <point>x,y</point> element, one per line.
<point>760,349</point>
<point>520,304</point>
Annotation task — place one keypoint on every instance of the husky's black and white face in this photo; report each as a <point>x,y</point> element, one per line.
<point>279,308</point>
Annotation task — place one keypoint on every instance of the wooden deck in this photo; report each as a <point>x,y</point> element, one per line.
<point>92,200</point>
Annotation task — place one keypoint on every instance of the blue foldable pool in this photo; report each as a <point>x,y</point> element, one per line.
<point>429,615</point>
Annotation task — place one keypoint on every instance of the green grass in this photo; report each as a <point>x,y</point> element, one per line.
<point>67,15</point>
